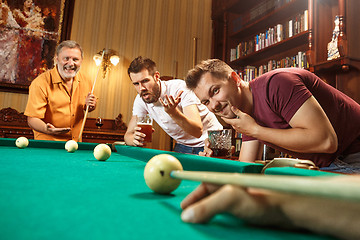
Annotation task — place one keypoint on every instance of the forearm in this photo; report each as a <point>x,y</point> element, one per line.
<point>37,124</point>
<point>324,216</point>
<point>331,217</point>
<point>130,132</point>
<point>251,151</point>
<point>190,126</point>
<point>293,139</point>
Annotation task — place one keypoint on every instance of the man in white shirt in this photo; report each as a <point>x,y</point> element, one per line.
<point>175,108</point>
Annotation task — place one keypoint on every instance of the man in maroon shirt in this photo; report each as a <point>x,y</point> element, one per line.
<point>295,112</point>
<point>290,109</point>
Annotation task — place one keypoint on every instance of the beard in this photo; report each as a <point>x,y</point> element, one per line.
<point>64,71</point>
<point>151,97</point>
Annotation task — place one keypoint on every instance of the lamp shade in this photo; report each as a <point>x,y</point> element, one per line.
<point>114,60</point>
<point>97,59</point>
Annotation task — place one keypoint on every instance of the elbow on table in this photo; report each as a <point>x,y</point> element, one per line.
<point>330,144</point>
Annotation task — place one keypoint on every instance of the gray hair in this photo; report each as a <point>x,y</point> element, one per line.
<point>69,44</point>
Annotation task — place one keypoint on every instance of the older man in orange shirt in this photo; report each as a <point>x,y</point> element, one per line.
<point>58,97</point>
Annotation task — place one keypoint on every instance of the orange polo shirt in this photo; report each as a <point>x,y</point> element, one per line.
<point>50,101</point>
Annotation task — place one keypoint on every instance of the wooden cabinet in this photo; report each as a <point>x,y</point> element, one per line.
<point>242,23</point>
<point>14,124</point>
<point>344,72</point>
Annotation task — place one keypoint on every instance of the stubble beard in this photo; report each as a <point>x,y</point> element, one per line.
<point>228,114</point>
<point>153,97</point>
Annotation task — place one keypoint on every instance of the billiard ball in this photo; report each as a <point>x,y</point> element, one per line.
<point>22,142</point>
<point>157,173</point>
<point>71,146</point>
<point>102,152</point>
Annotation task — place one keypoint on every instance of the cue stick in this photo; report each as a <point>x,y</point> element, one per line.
<point>87,107</point>
<point>195,51</point>
<point>327,187</point>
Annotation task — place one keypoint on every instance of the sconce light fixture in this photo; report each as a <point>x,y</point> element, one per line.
<point>110,57</point>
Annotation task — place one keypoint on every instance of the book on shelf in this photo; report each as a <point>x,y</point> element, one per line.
<point>306,20</point>
<point>257,12</point>
<point>290,30</point>
<point>279,33</point>
<point>248,73</point>
<point>270,36</point>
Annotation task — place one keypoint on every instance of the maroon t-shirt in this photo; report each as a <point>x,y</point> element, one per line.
<point>278,94</point>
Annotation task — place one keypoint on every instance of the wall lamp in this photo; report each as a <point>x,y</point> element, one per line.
<point>110,57</point>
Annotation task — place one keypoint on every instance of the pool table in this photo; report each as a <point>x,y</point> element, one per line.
<point>48,193</point>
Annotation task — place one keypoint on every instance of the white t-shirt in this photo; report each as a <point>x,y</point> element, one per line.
<point>157,112</point>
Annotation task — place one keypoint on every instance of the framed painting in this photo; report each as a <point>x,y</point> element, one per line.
<point>29,33</point>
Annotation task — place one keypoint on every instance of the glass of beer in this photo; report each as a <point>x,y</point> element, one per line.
<point>145,122</point>
<point>220,142</point>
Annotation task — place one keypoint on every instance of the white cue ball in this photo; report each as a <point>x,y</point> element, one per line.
<point>22,142</point>
<point>102,152</point>
<point>71,146</point>
<point>157,173</point>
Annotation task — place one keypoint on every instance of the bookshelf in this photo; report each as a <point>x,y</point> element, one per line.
<point>238,24</point>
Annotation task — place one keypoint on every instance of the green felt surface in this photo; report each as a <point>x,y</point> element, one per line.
<point>298,172</point>
<point>192,162</point>
<point>48,193</point>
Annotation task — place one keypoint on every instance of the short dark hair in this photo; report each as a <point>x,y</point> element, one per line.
<point>216,67</point>
<point>140,63</point>
<point>69,44</point>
